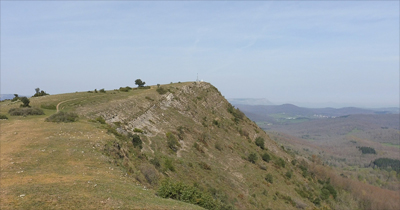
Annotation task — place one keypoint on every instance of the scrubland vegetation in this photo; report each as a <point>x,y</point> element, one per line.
<point>62,117</point>
<point>25,111</point>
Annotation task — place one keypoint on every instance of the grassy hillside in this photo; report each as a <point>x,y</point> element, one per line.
<point>134,149</point>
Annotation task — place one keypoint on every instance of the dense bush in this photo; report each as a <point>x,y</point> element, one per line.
<point>136,141</point>
<point>125,89</point>
<point>386,163</point>
<point>188,194</point>
<point>25,102</point>
<point>367,150</point>
<point>288,174</point>
<point>48,106</point>
<point>102,90</point>
<point>260,142</point>
<point>3,117</point>
<point>330,189</point>
<point>266,157</point>
<point>25,111</point>
<point>62,117</point>
<point>252,157</point>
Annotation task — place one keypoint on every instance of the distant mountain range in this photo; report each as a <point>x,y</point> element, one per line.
<point>290,109</point>
<point>250,101</point>
<point>6,96</point>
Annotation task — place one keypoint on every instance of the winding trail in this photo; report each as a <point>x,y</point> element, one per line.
<point>63,102</point>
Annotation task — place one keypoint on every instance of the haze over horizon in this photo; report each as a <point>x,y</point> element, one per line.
<point>305,52</point>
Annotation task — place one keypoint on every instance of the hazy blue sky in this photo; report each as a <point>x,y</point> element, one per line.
<point>344,52</point>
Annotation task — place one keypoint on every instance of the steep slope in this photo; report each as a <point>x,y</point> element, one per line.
<point>186,142</point>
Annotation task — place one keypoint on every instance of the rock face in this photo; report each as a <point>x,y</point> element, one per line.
<point>195,129</point>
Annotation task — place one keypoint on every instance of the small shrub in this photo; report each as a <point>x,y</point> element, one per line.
<point>25,111</point>
<point>324,194</point>
<point>294,162</point>
<point>101,120</point>
<point>169,165</point>
<point>289,174</point>
<point>218,146</point>
<point>136,141</point>
<point>162,91</point>
<point>3,117</point>
<point>266,157</point>
<point>137,130</point>
<point>181,131</point>
<point>317,201</point>
<point>102,90</point>
<point>269,178</point>
<point>252,157</point>
<point>172,142</point>
<point>280,162</point>
<point>62,117</point>
<point>328,187</point>
<point>216,123</point>
<point>260,142</point>
<point>204,166</point>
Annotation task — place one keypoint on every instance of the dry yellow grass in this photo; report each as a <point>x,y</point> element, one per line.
<point>61,166</point>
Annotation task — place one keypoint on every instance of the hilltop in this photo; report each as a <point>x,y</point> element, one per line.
<point>132,148</point>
